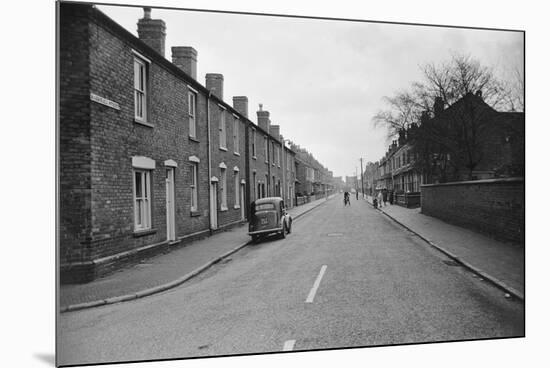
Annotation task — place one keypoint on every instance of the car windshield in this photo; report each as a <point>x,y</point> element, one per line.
<point>265,206</point>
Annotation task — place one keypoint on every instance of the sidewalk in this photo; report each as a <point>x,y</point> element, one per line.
<point>501,263</point>
<point>163,271</point>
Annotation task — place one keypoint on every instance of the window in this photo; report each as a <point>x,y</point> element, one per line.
<point>266,150</point>
<point>221,128</point>
<point>192,101</point>
<point>278,156</point>
<point>236,135</point>
<point>264,207</point>
<point>254,143</point>
<point>223,189</point>
<point>273,153</point>
<point>140,89</point>
<point>194,188</point>
<point>237,190</point>
<point>142,199</point>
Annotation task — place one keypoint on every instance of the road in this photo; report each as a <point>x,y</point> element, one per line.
<point>345,277</point>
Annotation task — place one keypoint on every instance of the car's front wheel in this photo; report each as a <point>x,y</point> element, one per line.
<point>289,227</point>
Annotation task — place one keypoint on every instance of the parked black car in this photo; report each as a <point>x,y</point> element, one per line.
<point>268,216</point>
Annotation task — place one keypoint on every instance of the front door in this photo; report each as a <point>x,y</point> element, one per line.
<point>241,199</point>
<point>214,205</point>
<point>170,207</point>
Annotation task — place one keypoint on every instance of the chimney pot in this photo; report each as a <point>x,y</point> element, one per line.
<point>146,13</point>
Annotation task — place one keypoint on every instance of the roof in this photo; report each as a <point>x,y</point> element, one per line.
<point>98,16</point>
<point>268,200</point>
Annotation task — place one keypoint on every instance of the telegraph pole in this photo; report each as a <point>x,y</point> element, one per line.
<point>356,181</point>
<point>362,184</point>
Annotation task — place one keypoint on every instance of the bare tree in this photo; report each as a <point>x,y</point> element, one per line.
<point>402,111</point>
<point>444,150</point>
<point>449,80</point>
<point>515,87</point>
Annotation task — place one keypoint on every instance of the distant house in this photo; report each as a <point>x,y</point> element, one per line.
<point>467,141</point>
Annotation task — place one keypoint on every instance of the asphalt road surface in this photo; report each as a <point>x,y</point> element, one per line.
<point>345,277</point>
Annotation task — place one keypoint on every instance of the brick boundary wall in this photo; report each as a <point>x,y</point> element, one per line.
<point>495,207</point>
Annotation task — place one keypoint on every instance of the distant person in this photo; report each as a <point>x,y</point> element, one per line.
<point>380,202</point>
<point>346,198</point>
<point>356,196</point>
<point>384,196</point>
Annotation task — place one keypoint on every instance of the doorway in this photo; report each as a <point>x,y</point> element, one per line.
<point>214,204</point>
<point>170,206</point>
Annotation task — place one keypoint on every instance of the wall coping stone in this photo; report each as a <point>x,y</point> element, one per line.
<point>470,182</point>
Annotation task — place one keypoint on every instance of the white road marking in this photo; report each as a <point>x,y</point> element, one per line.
<point>289,345</point>
<point>316,285</point>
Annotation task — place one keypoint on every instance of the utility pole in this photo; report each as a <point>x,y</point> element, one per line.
<point>362,184</point>
<point>356,181</point>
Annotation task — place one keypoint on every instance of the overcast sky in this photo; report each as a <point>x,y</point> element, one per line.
<point>321,80</point>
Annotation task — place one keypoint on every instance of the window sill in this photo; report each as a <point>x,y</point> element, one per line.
<point>237,207</point>
<point>223,149</point>
<point>254,157</point>
<point>194,139</point>
<point>143,122</point>
<point>195,213</point>
<point>237,154</point>
<point>223,209</point>
<point>145,232</point>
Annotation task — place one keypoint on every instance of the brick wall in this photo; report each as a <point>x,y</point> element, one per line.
<point>116,138</point>
<point>494,207</point>
<point>229,158</point>
<point>74,136</point>
<point>98,142</point>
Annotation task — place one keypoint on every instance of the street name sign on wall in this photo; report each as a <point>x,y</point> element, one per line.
<point>104,101</point>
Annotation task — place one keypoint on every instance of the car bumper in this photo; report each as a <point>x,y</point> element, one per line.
<point>260,232</point>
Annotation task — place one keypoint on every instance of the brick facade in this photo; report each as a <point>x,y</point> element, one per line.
<point>495,207</point>
<point>104,144</point>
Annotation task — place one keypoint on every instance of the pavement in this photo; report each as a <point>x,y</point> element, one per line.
<point>502,263</point>
<point>165,271</point>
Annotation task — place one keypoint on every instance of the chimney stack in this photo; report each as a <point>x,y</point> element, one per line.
<point>438,106</point>
<point>275,131</point>
<point>240,103</point>
<point>152,31</point>
<point>263,119</point>
<point>214,83</point>
<point>185,58</point>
